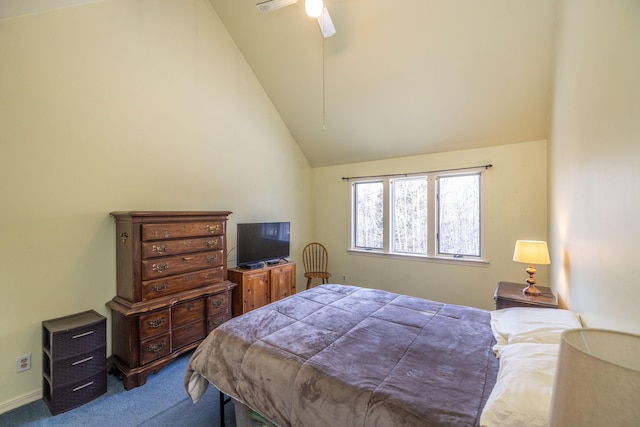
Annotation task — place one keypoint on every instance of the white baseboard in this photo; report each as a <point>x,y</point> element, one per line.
<point>20,401</point>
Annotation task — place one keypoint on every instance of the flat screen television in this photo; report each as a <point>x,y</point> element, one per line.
<point>262,242</point>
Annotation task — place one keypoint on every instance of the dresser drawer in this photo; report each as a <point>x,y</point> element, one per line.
<point>64,371</point>
<point>155,348</point>
<point>182,230</point>
<point>174,284</point>
<point>170,266</point>
<point>69,396</point>
<point>187,334</point>
<point>217,320</point>
<point>500,304</point>
<point>217,304</point>
<point>187,312</point>
<point>155,323</point>
<point>182,246</point>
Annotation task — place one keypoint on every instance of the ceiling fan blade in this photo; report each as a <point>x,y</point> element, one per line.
<point>326,24</point>
<point>271,5</point>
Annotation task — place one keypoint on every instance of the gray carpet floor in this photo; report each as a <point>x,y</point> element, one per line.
<point>162,401</point>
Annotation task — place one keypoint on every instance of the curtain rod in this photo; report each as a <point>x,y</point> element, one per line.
<point>347,178</point>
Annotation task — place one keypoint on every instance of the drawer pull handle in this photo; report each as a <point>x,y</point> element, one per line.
<point>82,386</point>
<point>160,267</point>
<point>218,303</point>
<point>188,328</point>
<point>159,249</point>
<point>187,258</point>
<point>213,228</point>
<point>212,258</point>
<point>218,322</point>
<point>160,288</point>
<point>189,306</point>
<point>81,335</point>
<point>211,243</point>
<point>156,347</point>
<point>78,362</point>
<point>156,323</point>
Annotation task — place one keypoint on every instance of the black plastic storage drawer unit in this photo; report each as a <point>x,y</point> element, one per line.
<point>74,360</point>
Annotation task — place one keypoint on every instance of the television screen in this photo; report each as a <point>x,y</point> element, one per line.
<point>262,241</point>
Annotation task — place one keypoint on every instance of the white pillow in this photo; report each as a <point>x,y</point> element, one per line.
<point>522,394</point>
<point>533,325</point>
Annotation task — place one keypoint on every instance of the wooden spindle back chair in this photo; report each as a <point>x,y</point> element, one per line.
<point>316,262</point>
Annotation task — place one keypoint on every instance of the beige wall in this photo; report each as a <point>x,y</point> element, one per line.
<point>516,208</point>
<point>594,162</point>
<point>122,105</point>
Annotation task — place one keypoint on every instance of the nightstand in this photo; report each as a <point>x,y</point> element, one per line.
<point>509,294</point>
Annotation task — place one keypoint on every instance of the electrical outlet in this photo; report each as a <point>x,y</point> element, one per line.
<point>23,363</point>
<point>344,278</point>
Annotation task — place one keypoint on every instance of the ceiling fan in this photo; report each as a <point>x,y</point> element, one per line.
<point>315,9</point>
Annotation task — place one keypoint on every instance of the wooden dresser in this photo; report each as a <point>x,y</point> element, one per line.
<point>171,288</point>
<point>262,286</point>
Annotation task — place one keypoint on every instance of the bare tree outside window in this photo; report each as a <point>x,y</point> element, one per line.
<point>369,220</point>
<point>429,215</point>
<point>459,215</point>
<point>409,198</point>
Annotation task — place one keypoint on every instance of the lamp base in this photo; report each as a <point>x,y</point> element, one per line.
<point>531,290</point>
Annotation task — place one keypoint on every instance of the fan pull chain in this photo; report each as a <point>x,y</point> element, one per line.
<point>324,111</point>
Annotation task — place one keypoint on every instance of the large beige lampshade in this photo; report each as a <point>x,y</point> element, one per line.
<point>597,380</point>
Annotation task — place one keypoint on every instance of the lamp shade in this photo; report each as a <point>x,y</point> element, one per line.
<point>531,252</point>
<point>597,379</point>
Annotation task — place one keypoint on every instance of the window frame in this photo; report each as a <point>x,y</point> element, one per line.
<point>433,225</point>
<point>354,228</point>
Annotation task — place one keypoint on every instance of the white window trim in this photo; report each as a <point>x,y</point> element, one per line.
<point>432,244</point>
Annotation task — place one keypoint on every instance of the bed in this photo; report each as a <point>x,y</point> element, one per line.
<point>338,355</point>
<point>345,355</point>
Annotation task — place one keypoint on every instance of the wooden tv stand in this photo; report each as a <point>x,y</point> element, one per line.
<point>261,286</point>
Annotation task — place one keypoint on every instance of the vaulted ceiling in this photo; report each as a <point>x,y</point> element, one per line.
<point>399,77</point>
<point>402,77</point>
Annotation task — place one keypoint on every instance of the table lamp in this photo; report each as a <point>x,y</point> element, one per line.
<point>531,252</point>
<point>597,380</point>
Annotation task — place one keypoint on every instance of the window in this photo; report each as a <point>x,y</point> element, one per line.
<point>459,215</point>
<point>431,215</point>
<point>409,213</point>
<point>369,215</point>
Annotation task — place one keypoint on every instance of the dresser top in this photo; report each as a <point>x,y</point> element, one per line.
<point>170,213</point>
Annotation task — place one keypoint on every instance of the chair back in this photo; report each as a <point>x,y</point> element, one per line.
<point>315,258</point>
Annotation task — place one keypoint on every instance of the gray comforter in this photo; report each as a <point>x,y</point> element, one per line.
<point>340,355</point>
